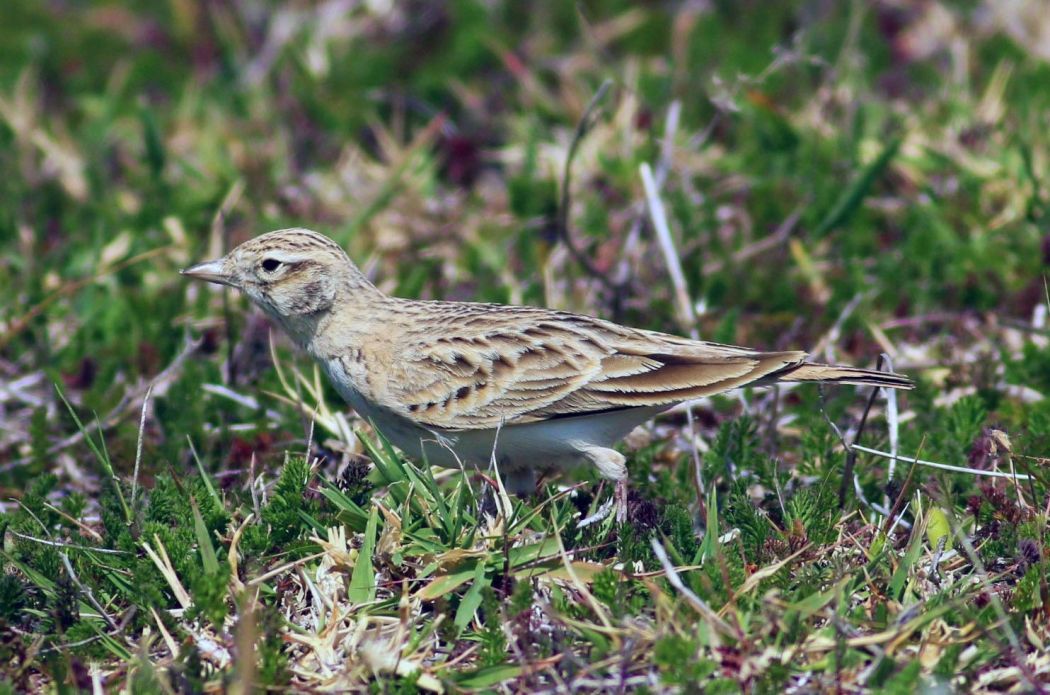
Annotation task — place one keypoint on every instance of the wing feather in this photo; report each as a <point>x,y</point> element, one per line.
<point>527,366</point>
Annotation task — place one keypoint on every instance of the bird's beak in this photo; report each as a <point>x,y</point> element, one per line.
<point>210,271</point>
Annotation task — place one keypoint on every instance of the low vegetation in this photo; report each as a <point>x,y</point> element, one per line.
<point>188,506</point>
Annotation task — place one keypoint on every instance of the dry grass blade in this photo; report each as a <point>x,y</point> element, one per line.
<point>942,466</point>
<point>683,302</point>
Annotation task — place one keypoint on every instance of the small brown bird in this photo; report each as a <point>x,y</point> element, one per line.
<point>527,388</point>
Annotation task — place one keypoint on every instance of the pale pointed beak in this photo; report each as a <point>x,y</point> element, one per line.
<point>210,271</point>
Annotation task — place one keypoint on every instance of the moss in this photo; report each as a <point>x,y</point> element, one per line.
<point>736,448</point>
<point>678,660</point>
<point>209,591</point>
<point>273,660</point>
<point>65,611</point>
<point>15,596</point>
<point>492,637</point>
<point>742,513</point>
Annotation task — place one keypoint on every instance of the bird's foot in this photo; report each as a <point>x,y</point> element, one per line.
<point>621,500</point>
<point>611,465</point>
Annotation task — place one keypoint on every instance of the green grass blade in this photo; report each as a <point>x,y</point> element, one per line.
<point>363,579</point>
<point>100,454</point>
<point>854,194</point>
<point>350,513</point>
<point>900,576</point>
<point>212,492</point>
<point>709,547</point>
<point>208,557</point>
<point>472,599</point>
<point>485,678</point>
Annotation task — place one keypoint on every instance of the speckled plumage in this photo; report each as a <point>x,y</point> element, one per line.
<point>459,382</point>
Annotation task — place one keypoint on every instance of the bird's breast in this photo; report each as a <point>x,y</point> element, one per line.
<point>353,387</point>
<point>348,377</point>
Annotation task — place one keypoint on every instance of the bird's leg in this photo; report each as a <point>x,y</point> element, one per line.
<point>621,500</point>
<point>521,482</point>
<point>612,465</point>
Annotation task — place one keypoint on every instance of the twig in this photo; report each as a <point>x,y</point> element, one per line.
<point>128,616</point>
<point>67,645</point>
<point>851,454</point>
<point>942,466</point>
<point>283,568</point>
<point>923,319</point>
<point>248,402</point>
<point>84,528</point>
<point>825,345</point>
<point>584,126</point>
<point>827,418</point>
<point>901,498</point>
<point>87,592</point>
<point>847,476</point>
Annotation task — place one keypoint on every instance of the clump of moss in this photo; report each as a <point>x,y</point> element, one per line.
<point>287,515</point>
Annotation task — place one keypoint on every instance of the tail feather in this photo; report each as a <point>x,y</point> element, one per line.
<point>809,371</point>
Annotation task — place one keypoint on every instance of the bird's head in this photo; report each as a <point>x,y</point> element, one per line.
<point>294,275</point>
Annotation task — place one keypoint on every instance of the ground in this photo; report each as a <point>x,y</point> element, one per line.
<point>188,506</point>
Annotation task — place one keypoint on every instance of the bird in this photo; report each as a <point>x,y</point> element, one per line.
<point>455,384</point>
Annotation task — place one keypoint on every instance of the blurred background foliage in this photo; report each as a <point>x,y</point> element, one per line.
<point>897,148</point>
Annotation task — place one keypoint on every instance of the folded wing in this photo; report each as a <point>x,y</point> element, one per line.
<point>537,365</point>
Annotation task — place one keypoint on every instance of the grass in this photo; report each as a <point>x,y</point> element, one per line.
<point>188,506</point>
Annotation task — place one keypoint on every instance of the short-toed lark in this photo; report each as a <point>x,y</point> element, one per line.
<point>456,382</point>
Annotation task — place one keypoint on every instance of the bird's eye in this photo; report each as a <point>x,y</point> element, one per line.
<point>270,264</point>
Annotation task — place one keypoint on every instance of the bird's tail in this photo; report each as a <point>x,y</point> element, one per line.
<point>809,371</point>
